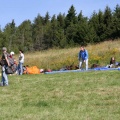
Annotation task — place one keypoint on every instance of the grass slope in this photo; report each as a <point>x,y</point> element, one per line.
<point>66,96</point>
<point>57,58</point>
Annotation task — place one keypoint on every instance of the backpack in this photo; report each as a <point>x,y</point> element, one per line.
<point>13,66</point>
<point>10,58</point>
<point>2,62</point>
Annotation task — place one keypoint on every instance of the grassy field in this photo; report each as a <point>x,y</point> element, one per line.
<point>65,96</point>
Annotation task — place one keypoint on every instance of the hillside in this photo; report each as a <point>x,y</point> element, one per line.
<point>57,58</point>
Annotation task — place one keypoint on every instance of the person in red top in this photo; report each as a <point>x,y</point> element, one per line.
<point>15,62</point>
<point>11,54</point>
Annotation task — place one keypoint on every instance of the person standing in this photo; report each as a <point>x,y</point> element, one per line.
<point>15,65</point>
<point>21,61</point>
<point>4,81</point>
<point>83,57</point>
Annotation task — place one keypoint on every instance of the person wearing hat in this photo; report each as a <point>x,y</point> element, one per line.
<point>4,81</point>
<point>15,62</point>
<point>12,53</point>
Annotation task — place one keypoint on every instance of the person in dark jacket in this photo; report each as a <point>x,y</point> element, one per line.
<point>4,81</point>
<point>83,57</point>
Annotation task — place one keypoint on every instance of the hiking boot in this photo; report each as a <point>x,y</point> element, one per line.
<point>5,85</point>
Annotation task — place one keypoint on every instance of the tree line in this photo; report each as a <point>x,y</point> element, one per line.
<point>61,31</point>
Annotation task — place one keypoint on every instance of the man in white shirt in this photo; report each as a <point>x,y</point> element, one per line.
<point>21,61</point>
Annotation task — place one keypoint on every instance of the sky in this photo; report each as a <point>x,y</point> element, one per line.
<point>21,10</point>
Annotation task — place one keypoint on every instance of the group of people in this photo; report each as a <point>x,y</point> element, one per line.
<point>5,63</point>
<point>82,57</point>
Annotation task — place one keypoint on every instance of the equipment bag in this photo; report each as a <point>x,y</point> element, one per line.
<point>13,66</point>
<point>9,70</point>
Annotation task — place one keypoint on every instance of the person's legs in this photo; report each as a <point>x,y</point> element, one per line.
<point>86,62</point>
<point>4,77</point>
<point>20,68</point>
<point>80,64</point>
<point>2,81</point>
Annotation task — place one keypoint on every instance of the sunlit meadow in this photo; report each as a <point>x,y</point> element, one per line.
<point>58,58</point>
<point>91,95</point>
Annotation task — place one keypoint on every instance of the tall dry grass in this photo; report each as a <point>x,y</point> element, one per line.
<point>58,58</point>
<point>53,58</point>
<point>101,53</point>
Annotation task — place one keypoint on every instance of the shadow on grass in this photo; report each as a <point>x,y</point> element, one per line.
<point>37,104</point>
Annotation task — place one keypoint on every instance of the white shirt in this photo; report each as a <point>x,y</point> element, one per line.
<point>21,58</point>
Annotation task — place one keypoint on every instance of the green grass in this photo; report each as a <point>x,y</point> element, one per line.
<point>64,96</point>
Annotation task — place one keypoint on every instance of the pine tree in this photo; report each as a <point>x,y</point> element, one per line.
<point>38,33</point>
<point>46,18</point>
<point>108,23</point>
<point>71,17</point>
<point>25,35</point>
<point>1,38</point>
<point>9,33</point>
<point>116,22</point>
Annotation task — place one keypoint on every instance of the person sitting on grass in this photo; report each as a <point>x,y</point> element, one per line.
<point>112,63</point>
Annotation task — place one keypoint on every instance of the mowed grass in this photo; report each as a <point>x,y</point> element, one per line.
<point>65,96</point>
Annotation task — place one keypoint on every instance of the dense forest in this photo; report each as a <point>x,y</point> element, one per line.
<point>61,31</point>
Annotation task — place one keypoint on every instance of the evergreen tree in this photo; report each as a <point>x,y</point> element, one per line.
<point>82,36</point>
<point>1,39</point>
<point>25,35</point>
<point>96,23</point>
<point>101,26</point>
<point>48,36</point>
<point>38,33</point>
<point>61,20</point>
<point>71,32</point>
<point>54,31</point>
<point>70,26</point>
<point>116,22</point>
<point>71,17</point>
<point>46,18</point>
<point>61,31</point>
<point>9,33</point>
<point>108,23</point>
